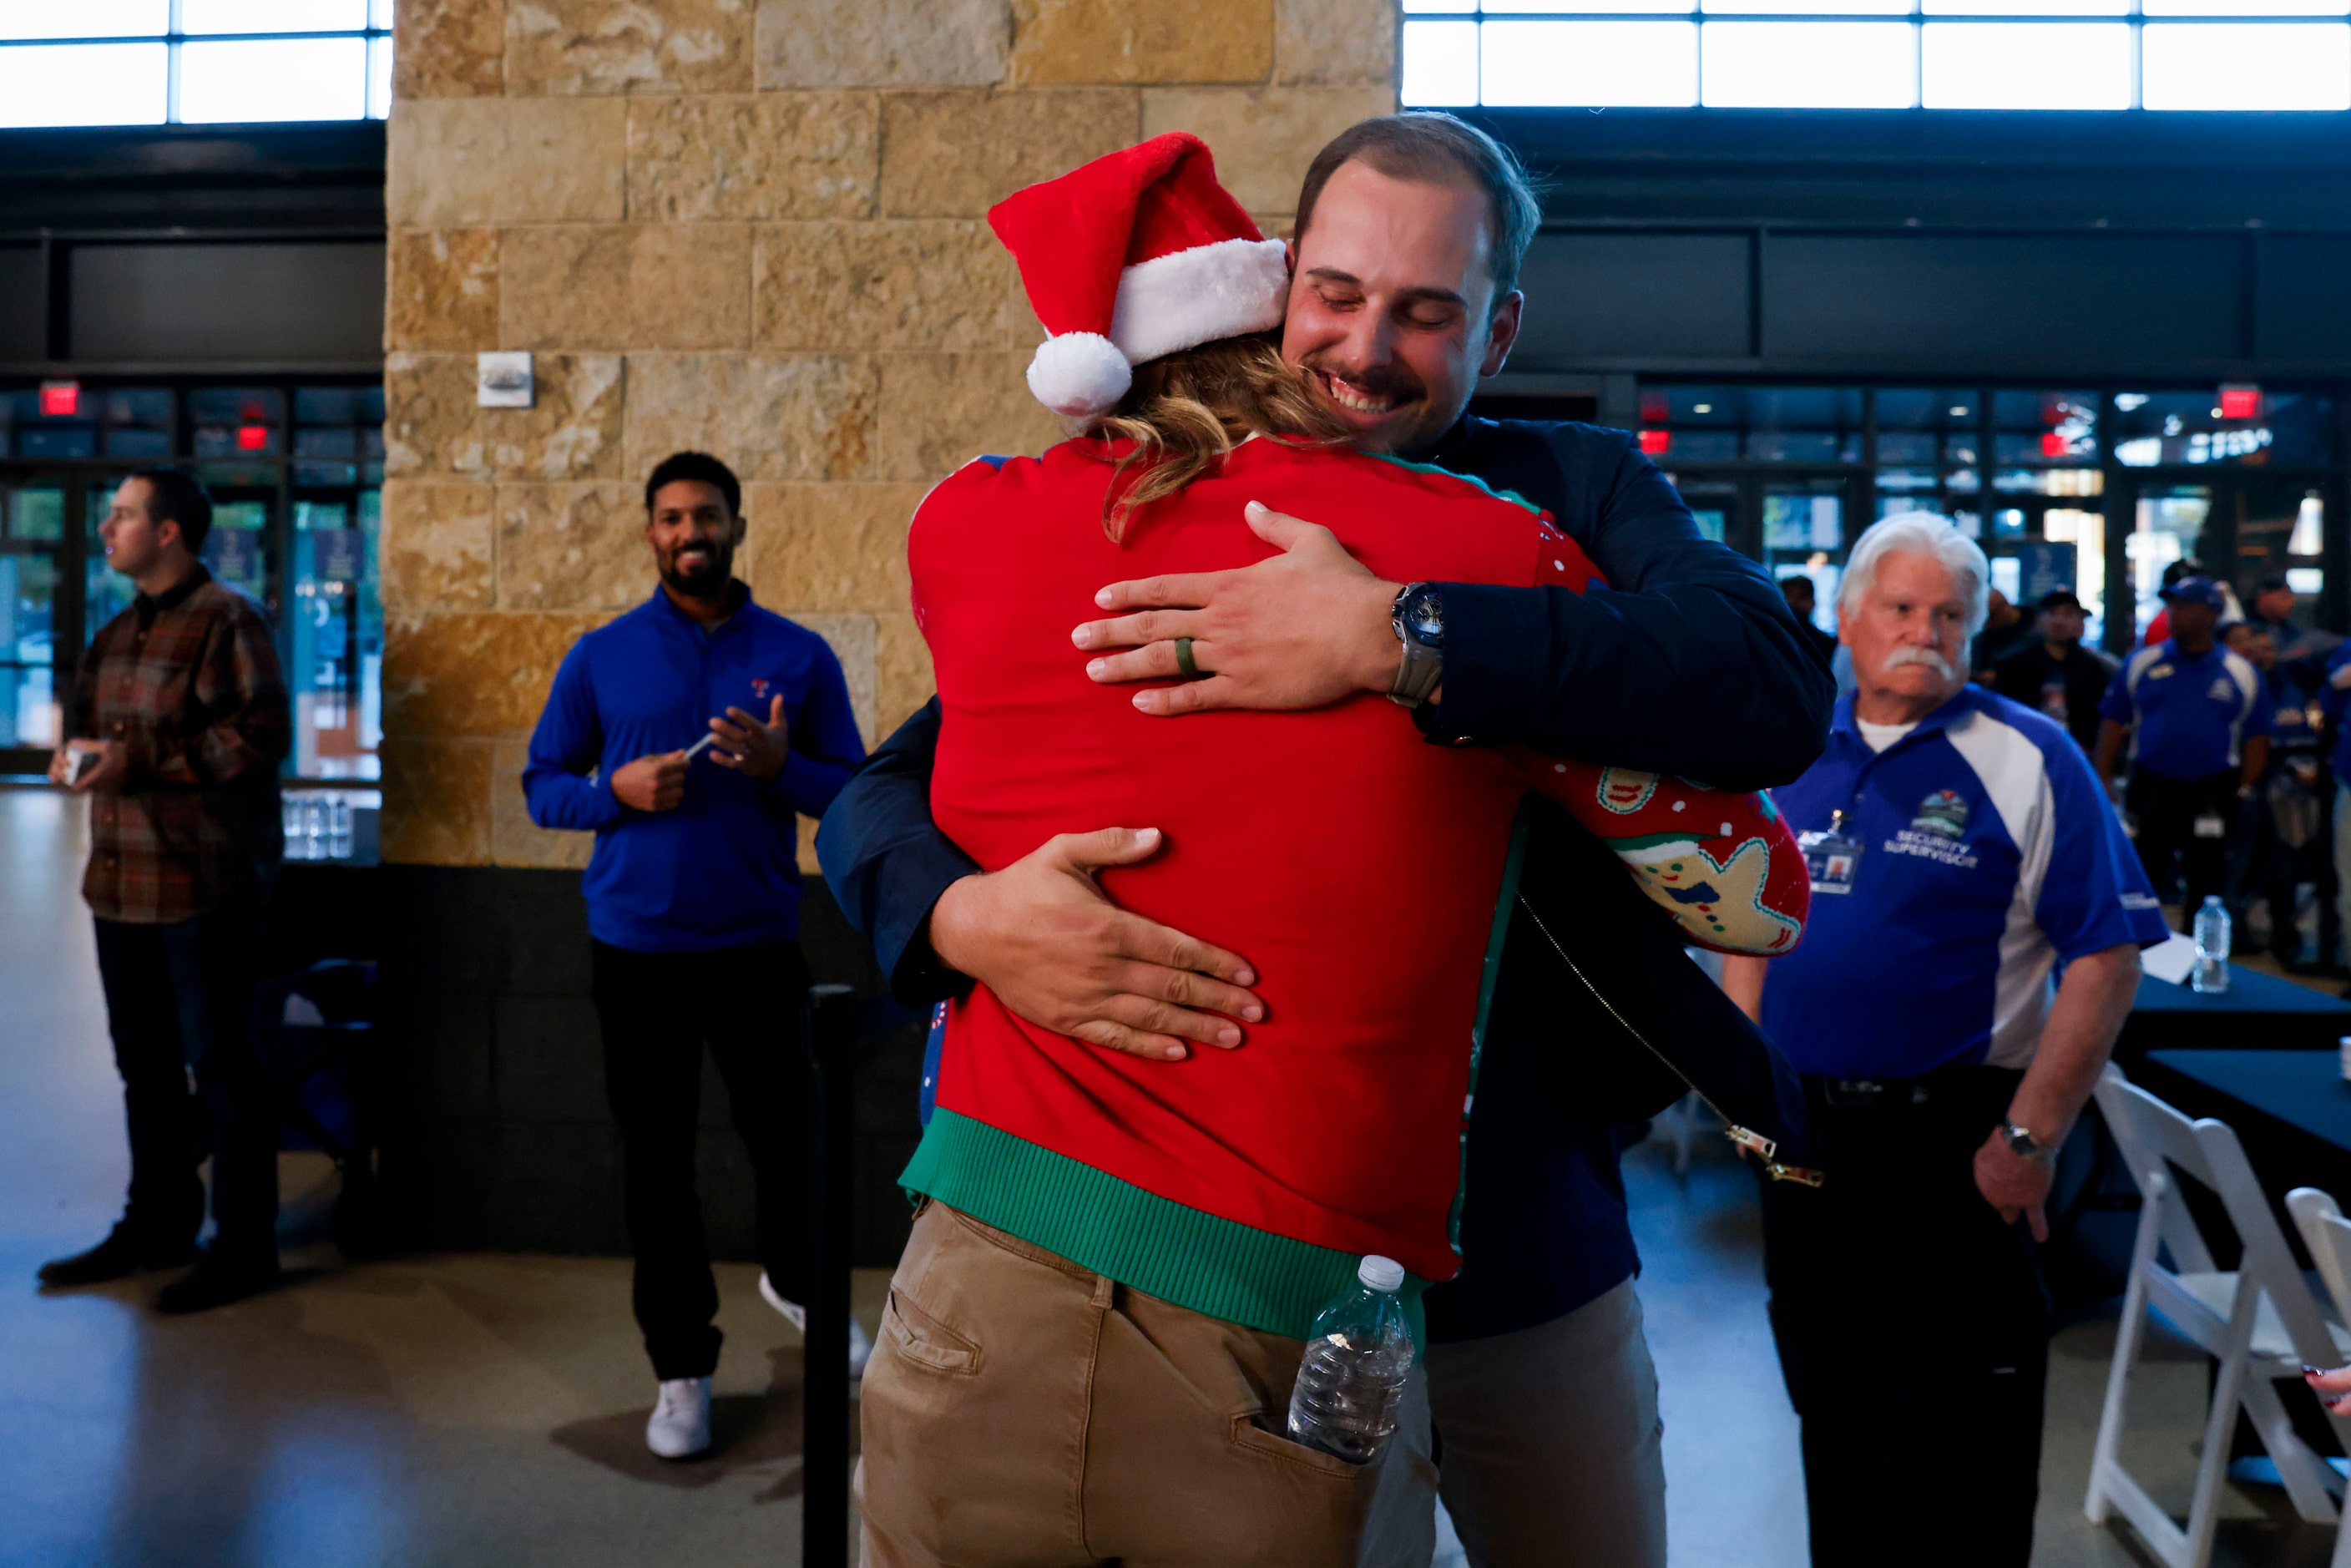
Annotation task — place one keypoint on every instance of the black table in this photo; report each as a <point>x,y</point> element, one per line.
<point>2257,1012</point>
<point>2290,1109</point>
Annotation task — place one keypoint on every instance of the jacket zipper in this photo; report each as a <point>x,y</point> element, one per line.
<point>1745,1139</point>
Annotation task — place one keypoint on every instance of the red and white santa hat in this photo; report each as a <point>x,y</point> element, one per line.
<point>1131,256</point>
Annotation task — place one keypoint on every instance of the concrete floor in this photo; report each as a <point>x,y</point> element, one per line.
<point>488,1410</point>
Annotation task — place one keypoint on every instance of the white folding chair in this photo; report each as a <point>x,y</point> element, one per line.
<point>2258,1320</point>
<point>2328,1236</point>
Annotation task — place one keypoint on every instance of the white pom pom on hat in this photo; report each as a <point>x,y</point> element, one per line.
<point>1131,257</point>
<point>1080,374</point>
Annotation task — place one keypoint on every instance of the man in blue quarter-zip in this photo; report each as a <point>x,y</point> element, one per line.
<point>1961,855</point>
<point>690,736</point>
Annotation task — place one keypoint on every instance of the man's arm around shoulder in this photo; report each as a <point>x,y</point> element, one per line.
<point>1690,662</point>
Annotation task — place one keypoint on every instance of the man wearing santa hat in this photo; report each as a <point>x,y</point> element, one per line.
<point>1411,229</point>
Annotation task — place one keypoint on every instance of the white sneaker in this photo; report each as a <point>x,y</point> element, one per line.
<point>679,1427</point>
<point>860,1349</point>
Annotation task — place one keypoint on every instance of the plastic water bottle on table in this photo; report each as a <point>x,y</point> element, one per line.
<point>2212,972</point>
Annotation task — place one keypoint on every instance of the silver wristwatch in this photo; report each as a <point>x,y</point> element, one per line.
<point>1418,617</point>
<point>2024,1145</point>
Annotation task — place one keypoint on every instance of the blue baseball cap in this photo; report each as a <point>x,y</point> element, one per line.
<point>2196,590</point>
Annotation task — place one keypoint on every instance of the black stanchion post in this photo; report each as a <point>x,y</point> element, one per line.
<point>829,1034</point>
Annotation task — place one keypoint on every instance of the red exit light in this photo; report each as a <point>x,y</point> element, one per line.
<point>252,437</point>
<point>60,399</point>
<point>1656,443</point>
<point>2241,402</point>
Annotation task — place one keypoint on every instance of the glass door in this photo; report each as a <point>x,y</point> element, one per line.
<point>34,611</point>
<point>1807,526</point>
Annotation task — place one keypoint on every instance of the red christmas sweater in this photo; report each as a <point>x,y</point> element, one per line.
<point>1362,871</point>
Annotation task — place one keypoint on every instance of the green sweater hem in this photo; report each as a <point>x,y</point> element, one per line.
<point>1217,1267</point>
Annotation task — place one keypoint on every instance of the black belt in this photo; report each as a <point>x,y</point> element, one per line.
<point>1890,1094</point>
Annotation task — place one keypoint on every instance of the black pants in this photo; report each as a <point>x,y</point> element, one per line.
<point>657,1011</point>
<point>2166,811</point>
<point>179,997</point>
<point>2275,871</point>
<point>1912,1328</point>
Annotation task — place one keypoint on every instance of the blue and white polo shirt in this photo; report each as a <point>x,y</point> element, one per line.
<point>1988,853</point>
<point>2189,717</point>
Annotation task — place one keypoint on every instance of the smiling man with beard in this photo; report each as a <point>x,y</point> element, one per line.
<point>690,736</point>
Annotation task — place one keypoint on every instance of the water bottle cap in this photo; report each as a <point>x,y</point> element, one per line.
<point>1380,1273</point>
<point>2211,900</point>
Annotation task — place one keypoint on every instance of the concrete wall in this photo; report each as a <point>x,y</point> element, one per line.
<point>752,227</point>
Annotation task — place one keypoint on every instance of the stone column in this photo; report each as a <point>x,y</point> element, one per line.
<point>753,227</point>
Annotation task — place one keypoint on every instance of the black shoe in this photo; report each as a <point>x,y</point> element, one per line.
<point>124,1252</point>
<point>217,1279</point>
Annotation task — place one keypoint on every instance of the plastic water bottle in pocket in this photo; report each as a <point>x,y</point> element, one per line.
<point>1351,1377</point>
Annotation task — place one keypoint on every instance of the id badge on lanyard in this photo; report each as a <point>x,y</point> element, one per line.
<point>1832,856</point>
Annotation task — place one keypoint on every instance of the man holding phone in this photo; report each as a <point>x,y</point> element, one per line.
<point>694,898</point>
<point>178,722</point>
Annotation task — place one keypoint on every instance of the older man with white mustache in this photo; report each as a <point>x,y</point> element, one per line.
<point>1960,847</point>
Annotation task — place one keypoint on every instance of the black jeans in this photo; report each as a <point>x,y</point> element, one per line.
<point>2166,811</point>
<point>658,1010</point>
<point>1912,1327</point>
<point>179,997</point>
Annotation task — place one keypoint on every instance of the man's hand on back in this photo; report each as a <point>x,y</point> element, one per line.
<point>655,783</point>
<point>1304,628</point>
<point>1041,936</point>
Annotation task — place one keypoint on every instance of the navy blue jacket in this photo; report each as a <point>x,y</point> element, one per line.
<point>722,868</point>
<point>1690,663</point>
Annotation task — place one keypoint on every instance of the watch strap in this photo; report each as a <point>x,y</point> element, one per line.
<point>1418,674</point>
<point>1423,667</point>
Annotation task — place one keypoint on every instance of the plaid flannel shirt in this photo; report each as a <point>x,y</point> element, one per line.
<point>188,684</point>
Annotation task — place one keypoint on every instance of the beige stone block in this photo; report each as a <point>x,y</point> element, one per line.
<point>852,639</point>
<point>454,162</point>
<point>830,548</point>
<point>515,838</point>
<point>628,45</point>
<point>882,43</point>
<point>905,676</point>
<point>955,154</point>
<point>653,286</point>
<point>941,411</point>
<point>436,551</point>
<point>772,155</point>
<point>1335,43</point>
<point>572,546</point>
<point>1063,42</point>
<point>448,49</point>
<point>472,674</point>
<point>432,428</point>
<point>1263,138</point>
<point>931,283</point>
<point>437,801</point>
<point>442,289</point>
<point>789,416</point>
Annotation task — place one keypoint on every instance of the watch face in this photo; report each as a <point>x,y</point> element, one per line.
<point>1423,612</point>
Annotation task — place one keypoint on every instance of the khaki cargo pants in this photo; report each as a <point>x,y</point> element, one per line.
<point>1021,1410</point>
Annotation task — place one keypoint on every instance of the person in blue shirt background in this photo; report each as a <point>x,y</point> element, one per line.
<point>1961,852</point>
<point>2286,832</point>
<point>2334,696</point>
<point>690,736</point>
<point>2198,719</point>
